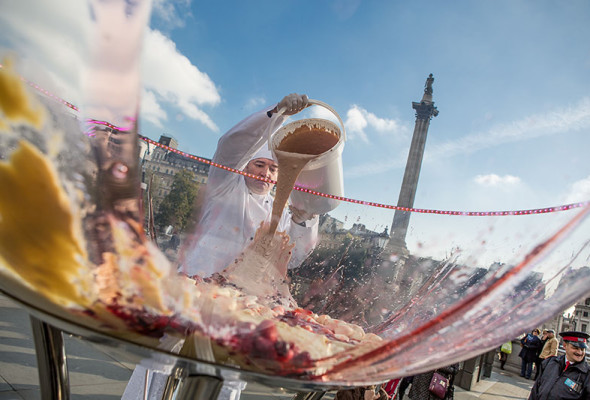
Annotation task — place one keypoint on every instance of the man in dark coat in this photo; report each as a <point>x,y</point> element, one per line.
<point>566,376</point>
<point>531,346</point>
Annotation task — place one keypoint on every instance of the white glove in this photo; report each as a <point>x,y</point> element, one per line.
<point>293,103</point>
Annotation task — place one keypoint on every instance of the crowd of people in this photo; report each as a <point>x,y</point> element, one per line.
<point>557,377</point>
<point>536,348</point>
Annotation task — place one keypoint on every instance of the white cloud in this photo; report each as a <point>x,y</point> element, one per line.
<point>356,124</point>
<point>493,180</point>
<point>559,122</point>
<point>175,80</point>
<point>151,109</point>
<point>172,12</point>
<point>50,42</point>
<point>194,112</point>
<point>358,120</point>
<point>579,191</point>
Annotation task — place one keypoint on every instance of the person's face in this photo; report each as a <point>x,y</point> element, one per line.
<point>536,333</point>
<point>264,168</point>
<point>573,353</point>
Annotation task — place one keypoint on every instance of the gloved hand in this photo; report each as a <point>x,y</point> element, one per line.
<point>293,103</point>
<point>299,216</point>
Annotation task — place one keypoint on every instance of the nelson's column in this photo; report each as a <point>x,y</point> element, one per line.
<point>425,110</point>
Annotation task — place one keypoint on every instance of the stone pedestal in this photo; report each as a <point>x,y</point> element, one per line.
<point>488,363</point>
<point>475,369</point>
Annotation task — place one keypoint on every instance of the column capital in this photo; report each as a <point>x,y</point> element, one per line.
<point>424,110</point>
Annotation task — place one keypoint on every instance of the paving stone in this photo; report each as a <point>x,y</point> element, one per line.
<point>84,349</point>
<point>112,391</point>
<point>33,394</point>
<point>10,396</point>
<point>19,376</point>
<point>18,363</point>
<point>94,367</point>
<point>4,386</point>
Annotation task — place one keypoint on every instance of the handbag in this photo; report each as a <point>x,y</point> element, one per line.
<point>438,385</point>
<point>506,348</point>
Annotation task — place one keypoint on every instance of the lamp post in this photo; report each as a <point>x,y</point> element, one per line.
<point>380,241</point>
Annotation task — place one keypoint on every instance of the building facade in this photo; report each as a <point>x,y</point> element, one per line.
<point>581,316</point>
<point>159,165</point>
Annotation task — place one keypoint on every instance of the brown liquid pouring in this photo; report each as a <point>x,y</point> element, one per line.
<point>294,152</point>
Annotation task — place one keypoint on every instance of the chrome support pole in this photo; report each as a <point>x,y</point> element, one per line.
<point>172,384</point>
<point>308,396</point>
<point>192,387</point>
<point>54,380</point>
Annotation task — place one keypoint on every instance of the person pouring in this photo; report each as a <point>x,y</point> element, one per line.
<point>234,205</point>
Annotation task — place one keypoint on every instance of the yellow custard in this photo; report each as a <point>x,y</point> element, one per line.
<point>37,233</point>
<point>14,102</point>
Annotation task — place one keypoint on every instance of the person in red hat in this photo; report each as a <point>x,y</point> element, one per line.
<point>566,376</point>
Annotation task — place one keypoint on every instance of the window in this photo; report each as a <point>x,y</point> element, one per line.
<point>588,301</point>
<point>585,313</point>
<point>584,327</point>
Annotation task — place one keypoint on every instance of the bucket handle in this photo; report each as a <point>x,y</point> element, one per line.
<point>310,102</point>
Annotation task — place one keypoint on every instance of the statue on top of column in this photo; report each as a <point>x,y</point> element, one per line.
<point>428,86</point>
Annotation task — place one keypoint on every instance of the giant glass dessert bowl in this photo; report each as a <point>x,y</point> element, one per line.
<point>82,249</point>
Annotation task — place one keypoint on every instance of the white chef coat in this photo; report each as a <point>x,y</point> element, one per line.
<point>231,214</point>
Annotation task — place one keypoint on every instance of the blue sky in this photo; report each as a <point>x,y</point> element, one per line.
<point>511,85</point>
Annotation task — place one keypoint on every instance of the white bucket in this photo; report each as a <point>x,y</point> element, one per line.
<point>323,174</point>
